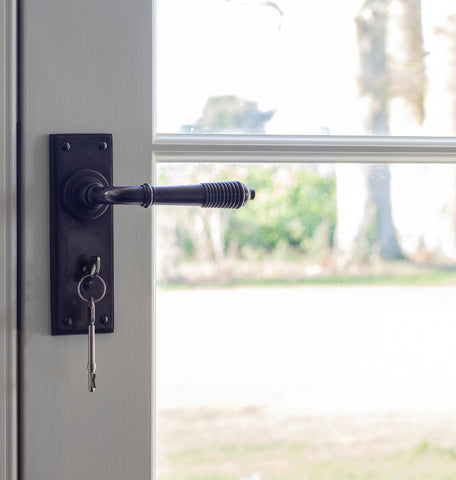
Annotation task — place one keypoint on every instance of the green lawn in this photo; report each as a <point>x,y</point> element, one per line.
<point>282,461</point>
<point>389,274</point>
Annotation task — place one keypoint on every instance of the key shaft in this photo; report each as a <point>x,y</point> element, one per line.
<point>91,365</point>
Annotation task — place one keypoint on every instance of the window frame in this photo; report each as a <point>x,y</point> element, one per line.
<point>8,242</point>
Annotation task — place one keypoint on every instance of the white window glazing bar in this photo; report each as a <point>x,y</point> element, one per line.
<point>273,148</point>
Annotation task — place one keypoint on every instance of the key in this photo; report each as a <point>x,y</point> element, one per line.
<point>91,365</point>
<point>90,278</point>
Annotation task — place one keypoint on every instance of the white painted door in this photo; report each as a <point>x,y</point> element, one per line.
<point>86,68</point>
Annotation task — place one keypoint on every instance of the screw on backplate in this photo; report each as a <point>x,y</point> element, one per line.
<point>103,146</point>
<point>66,146</point>
<point>104,319</point>
<point>67,321</point>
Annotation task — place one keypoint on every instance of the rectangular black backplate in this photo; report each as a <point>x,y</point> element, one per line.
<point>74,241</point>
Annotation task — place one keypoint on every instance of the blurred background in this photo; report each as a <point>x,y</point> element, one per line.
<point>310,334</point>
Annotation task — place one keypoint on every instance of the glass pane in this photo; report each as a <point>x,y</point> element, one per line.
<point>310,334</point>
<point>350,67</point>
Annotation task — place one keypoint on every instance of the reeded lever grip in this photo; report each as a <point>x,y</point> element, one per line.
<point>87,194</point>
<point>206,195</point>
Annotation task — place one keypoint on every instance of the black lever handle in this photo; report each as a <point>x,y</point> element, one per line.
<point>87,195</point>
<point>206,195</point>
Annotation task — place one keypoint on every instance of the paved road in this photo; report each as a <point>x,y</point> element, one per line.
<point>308,350</point>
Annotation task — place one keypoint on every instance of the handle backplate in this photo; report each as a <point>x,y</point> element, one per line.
<point>75,239</point>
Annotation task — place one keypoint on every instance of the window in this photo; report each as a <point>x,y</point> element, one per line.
<point>308,335</point>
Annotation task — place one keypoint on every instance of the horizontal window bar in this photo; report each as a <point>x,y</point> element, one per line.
<point>283,148</point>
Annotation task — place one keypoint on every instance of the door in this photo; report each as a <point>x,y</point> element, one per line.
<point>86,68</point>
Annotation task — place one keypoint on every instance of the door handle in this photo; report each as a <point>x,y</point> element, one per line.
<point>206,195</point>
<point>87,194</point>
<point>81,219</point>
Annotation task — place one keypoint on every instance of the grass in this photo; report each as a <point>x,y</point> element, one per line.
<point>424,462</point>
<point>409,276</point>
<point>282,461</point>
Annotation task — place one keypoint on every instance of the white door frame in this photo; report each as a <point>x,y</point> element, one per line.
<point>8,267</point>
<point>86,68</point>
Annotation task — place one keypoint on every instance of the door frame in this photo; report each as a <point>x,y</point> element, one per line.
<point>8,239</point>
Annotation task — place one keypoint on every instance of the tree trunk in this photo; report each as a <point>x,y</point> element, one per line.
<point>379,182</point>
<point>392,80</point>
